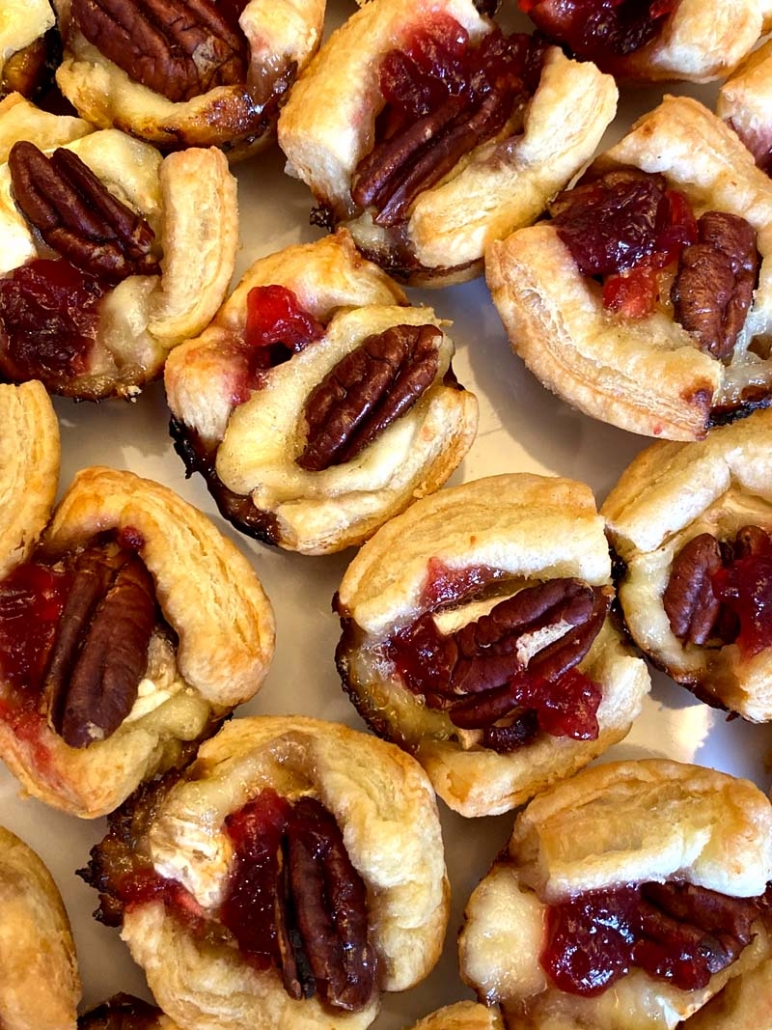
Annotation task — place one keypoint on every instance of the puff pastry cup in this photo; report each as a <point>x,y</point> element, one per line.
<point>112,254</point>
<point>25,29</point>
<point>470,618</point>
<point>360,416</point>
<point>641,368</point>
<point>40,986</point>
<point>674,858</point>
<point>186,74</point>
<point>141,626</point>
<point>745,103</point>
<point>295,871</point>
<point>450,186</point>
<point>686,40</point>
<point>691,523</point>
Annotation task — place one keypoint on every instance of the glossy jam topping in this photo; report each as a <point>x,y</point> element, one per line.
<point>32,599</point>
<point>745,587</point>
<point>249,910</point>
<point>598,29</point>
<point>49,315</point>
<point>277,327</point>
<point>673,931</point>
<point>439,62</point>
<point>626,228</point>
<point>477,676</point>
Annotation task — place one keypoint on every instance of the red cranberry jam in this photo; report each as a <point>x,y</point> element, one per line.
<point>624,228</point>
<point>673,931</point>
<point>744,586</point>
<point>600,30</point>
<point>443,96</point>
<point>296,902</point>
<point>277,326</point>
<point>49,318</point>
<point>479,677</point>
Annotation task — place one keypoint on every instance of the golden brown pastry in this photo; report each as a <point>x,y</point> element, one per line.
<point>688,40</point>
<point>693,525</point>
<point>40,987</point>
<point>111,256</point>
<point>424,176</point>
<point>628,896</point>
<point>660,323</point>
<point>745,103</point>
<point>464,1015</point>
<point>318,404</point>
<point>129,627</point>
<point>25,30</point>
<point>124,1012</point>
<point>745,1002</point>
<point>477,636</point>
<point>182,73</point>
<point>291,875</point>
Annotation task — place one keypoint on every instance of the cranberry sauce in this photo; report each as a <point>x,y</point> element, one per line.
<point>296,903</point>
<point>478,676</point>
<point>49,316</point>
<point>443,96</point>
<point>625,228</point>
<point>32,599</point>
<point>744,586</point>
<point>600,30</point>
<point>674,932</point>
<point>277,327</point>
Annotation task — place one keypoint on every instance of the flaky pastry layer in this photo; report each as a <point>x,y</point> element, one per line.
<point>258,440</point>
<point>645,375</point>
<point>669,494</point>
<point>625,822</point>
<point>529,529</point>
<point>187,198</point>
<point>40,986</point>
<point>328,126</point>
<point>282,35</point>
<point>386,811</point>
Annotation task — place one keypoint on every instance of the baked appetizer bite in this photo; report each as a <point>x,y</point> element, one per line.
<point>692,524</point>
<point>318,404</point>
<point>111,256</point>
<point>125,1012</point>
<point>646,301</point>
<point>129,627</point>
<point>477,635</point>
<point>429,133</point>
<point>626,899</point>
<point>26,46</point>
<point>293,873</point>
<point>464,1015</point>
<point>745,103</point>
<point>40,986</point>
<point>181,73</point>
<point>655,40</point>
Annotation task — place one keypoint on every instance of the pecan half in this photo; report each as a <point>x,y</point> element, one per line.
<point>713,289</point>
<point>399,168</point>
<point>330,905</point>
<point>690,604</point>
<point>100,651</point>
<point>366,391</point>
<point>78,216</point>
<point>179,48</point>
